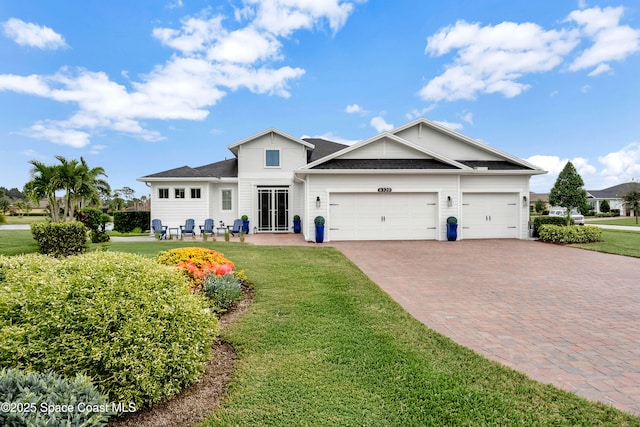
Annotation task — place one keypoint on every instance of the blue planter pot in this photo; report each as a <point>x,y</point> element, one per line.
<point>319,233</point>
<point>296,226</point>
<point>452,232</point>
<point>245,227</point>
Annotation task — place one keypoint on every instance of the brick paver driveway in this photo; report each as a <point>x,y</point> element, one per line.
<point>561,315</point>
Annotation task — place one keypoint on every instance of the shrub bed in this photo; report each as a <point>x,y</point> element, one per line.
<point>125,321</point>
<point>197,263</point>
<point>127,221</point>
<point>570,234</point>
<point>47,399</point>
<point>60,238</point>
<point>541,220</point>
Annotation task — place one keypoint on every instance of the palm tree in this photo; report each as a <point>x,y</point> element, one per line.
<point>43,185</point>
<point>89,187</point>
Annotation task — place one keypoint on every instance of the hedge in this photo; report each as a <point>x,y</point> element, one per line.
<point>554,220</point>
<point>125,321</point>
<point>60,239</point>
<point>570,234</point>
<point>127,221</point>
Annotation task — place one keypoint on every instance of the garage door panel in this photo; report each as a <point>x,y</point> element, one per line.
<point>489,215</point>
<point>382,216</point>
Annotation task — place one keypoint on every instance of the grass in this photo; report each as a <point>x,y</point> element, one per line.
<point>618,242</point>
<point>631,221</point>
<point>16,219</point>
<point>16,242</point>
<point>323,345</point>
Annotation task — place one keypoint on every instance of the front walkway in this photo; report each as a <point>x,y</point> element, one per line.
<point>561,315</point>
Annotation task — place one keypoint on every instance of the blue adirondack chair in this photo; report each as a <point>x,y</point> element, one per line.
<point>237,227</point>
<point>207,227</point>
<point>158,229</point>
<point>188,228</point>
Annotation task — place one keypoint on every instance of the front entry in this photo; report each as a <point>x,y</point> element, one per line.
<point>273,209</point>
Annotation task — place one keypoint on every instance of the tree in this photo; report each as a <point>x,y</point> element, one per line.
<point>604,207</point>
<point>632,199</point>
<point>43,185</point>
<point>4,205</point>
<point>540,206</point>
<point>568,191</point>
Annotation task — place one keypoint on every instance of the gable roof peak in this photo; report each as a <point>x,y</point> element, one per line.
<point>234,147</point>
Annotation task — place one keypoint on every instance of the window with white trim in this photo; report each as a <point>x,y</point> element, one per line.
<point>272,158</point>
<point>179,193</point>
<point>196,193</point>
<point>163,193</point>
<point>226,198</point>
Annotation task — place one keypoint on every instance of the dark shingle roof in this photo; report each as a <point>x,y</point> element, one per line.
<point>224,168</point>
<point>615,192</point>
<point>322,148</point>
<point>501,165</point>
<point>384,164</point>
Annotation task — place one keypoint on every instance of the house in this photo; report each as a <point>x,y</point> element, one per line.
<point>401,184</point>
<point>613,196</point>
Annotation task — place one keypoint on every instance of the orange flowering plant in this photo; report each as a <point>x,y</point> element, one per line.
<point>197,263</point>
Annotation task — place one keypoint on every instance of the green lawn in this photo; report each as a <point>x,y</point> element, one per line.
<point>15,242</point>
<point>631,221</point>
<point>323,345</point>
<point>616,242</point>
<point>15,219</point>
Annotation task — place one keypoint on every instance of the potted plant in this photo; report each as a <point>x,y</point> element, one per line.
<point>319,222</point>
<point>245,224</point>
<point>296,223</point>
<point>452,229</point>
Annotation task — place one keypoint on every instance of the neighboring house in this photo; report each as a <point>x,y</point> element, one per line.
<point>613,195</point>
<point>401,184</point>
<point>537,197</point>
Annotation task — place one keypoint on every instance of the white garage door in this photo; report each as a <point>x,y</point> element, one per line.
<point>489,216</point>
<point>382,216</point>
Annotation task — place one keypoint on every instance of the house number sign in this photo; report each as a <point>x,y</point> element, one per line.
<point>384,190</point>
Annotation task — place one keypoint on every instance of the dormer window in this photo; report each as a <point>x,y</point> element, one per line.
<point>272,158</point>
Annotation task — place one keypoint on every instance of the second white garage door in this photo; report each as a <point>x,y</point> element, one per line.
<point>489,215</point>
<point>382,216</point>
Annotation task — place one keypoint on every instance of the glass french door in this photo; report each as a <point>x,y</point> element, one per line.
<point>273,209</point>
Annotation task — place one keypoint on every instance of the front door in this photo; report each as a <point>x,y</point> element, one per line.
<point>273,209</point>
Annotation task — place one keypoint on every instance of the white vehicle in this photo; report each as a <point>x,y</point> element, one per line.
<point>576,216</point>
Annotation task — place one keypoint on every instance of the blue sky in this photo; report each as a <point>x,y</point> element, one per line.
<point>145,86</point>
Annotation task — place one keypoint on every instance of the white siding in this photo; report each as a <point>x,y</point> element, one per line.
<point>444,144</point>
<point>174,212</point>
<point>384,149</point>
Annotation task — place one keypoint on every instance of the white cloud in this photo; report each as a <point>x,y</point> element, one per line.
<point>380,125</point>
<point>495,58</point>
<point>450,125</point>
<point>28,34</point>
<point>622,165</point>
<point>611,41</point>
<point>353,108</point>
<point>614,168</point>
<point>417,113</point>
<point>468,117</point>
<point>491,59</point>
<point>209,62</point>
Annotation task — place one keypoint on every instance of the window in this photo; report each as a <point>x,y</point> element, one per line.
<point>195,193</point>
<point>226,200</point>
<point>179,193</point>
<point>163,193</point>
<point>272,158</point>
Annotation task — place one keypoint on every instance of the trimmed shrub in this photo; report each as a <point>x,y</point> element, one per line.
<point>47,399</point>
<point>125,321</point>
<point>95,221</point>
<point>554,220</point>
<point>127,221</point>
<point>60,239</point>
<point>223,291</point>
<point>570,234</point>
